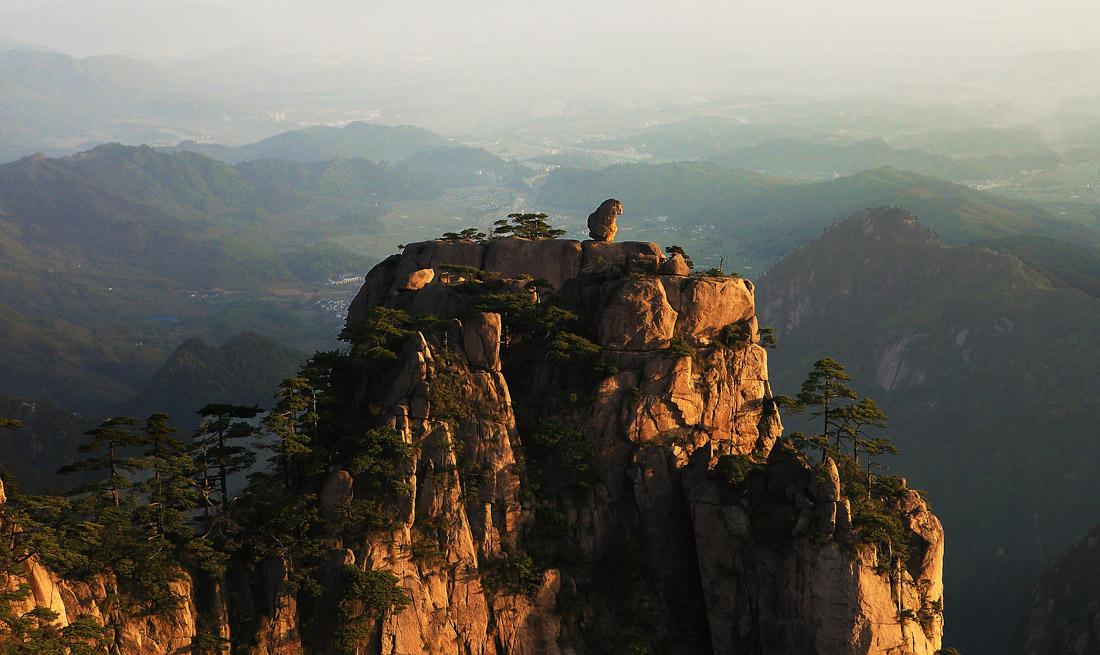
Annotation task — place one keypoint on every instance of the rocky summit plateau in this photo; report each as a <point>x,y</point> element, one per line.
<point>581,453</point>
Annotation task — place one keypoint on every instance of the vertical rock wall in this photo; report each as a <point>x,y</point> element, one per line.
<point>774,572</point>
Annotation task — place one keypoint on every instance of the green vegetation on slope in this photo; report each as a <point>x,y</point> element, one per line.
<point>112,258</point>
<point>1071,265</point>
<point>244,370</point>
<point>460,166</point>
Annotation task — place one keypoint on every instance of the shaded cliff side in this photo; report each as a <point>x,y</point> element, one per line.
<point>1064,615</point>
<point>563,447</point>
<point>988,372</point>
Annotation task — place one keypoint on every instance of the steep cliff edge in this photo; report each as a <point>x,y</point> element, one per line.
<point>549,446</point>
<point>771,563</point>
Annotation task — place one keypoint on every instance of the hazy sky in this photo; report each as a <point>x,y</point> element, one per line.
<point>764,29</point>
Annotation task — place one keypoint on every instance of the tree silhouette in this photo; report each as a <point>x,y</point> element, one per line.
<point>469,234</point>
<point>527,226</point>
<point>109,438</point>
<point>215,449</point>
<point>677,250</point>
<point>170,493</point>
<point>856,420</point>
<point>873,448</point>
<point>294,411</point>
<point>823,389</point>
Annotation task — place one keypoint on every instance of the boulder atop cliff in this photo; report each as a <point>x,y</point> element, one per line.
<point>603,223</point>
<point>637,301</point>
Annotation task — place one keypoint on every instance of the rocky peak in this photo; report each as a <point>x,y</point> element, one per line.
<point>862,259</point>
<point>772,561</point>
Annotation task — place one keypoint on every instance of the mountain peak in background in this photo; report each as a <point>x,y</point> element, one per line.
<point>244,371</point>
<point>977,358</point>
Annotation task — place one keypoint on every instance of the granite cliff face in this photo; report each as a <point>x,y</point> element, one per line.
<point>149,635</point>
<point>769,564</point>
<point>583,503</point>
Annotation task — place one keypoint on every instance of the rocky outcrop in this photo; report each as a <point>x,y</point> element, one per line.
<point>782,566</point>
<point>770,564</point>
<point>675,265</point>
<point>130,632</point>
<point>552,260</point>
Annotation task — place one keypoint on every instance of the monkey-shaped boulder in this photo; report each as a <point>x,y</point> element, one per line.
<point>602,224</point>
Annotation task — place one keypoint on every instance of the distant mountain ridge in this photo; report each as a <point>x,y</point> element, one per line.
<point>795,157</point>
<point>110,258</point>
<point>755,219</point>
<point>182,212</point>
<point>55,103</point>
<point>244,370</point>
<point>321,143</point>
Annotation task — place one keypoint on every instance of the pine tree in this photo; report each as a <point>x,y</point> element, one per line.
<point>293,423</point>
<point>215,450</point>
<point>108,525</point>
<point>856,421</point>
<point>825,390</point>
<point>110,438</point>
<point>677,250</point>
<point>860,422</point>
<point>527,226</point>
<point>469,234</point>
<point>170,493</point>
<point>37,632</point>
<point>873,447</point>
